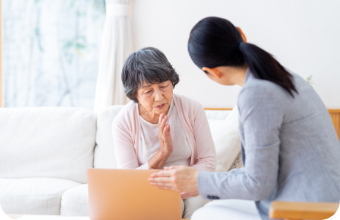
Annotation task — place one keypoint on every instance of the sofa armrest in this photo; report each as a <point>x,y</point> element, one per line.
<point>302,210</point>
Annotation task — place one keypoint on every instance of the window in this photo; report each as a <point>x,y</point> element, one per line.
<point>51,51</point>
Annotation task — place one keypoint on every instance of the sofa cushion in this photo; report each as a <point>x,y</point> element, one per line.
<point>47,142</point>
<point>217,114</point>
<point>39,196</point>
<point>105,152</point>
<point>226,138</point>
<point>75,201</point>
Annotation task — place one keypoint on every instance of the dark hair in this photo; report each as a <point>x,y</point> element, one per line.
<point>150,65</point>
<point>217,42</point>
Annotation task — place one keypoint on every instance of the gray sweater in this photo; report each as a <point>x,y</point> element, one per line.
<point>290,149</point>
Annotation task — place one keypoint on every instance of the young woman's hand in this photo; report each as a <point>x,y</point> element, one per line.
<point>177,178</point>
<point>164,135</point>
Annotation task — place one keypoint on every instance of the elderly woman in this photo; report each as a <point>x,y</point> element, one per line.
<point>160,128</point>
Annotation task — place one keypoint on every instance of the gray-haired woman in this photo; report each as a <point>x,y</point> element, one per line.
<point>160,128</point>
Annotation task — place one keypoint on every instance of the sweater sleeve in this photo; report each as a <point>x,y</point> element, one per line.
<point>261,116</point>
<point>205,148</point>
<point>124,147</point>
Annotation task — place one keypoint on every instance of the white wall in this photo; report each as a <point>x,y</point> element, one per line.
<point>303,35</point>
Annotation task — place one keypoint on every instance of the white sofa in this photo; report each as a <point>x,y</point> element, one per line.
<point>45,153</point>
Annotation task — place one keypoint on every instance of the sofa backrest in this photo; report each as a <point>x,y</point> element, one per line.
<point>217,114</point>
<point>47,142</point>
<point>223,125</point>
<point>104,156</point>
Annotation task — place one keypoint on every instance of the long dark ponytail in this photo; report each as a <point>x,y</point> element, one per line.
<point>217,42</point>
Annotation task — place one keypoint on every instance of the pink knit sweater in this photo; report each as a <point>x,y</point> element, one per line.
<point>126,129</point>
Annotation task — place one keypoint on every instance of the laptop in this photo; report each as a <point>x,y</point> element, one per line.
<point>128,195</point>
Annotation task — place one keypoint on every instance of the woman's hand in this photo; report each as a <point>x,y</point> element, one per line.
<point>177,178</point>
<point>164,135</point>
<point>158,160</point>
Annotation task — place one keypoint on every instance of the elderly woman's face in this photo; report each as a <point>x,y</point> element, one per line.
<point>155,98</point>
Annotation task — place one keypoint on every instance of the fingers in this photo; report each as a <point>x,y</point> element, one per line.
<point>168,188</point>
<point>162,174</point>
<point>162,122</point>
<point>178,189</point>
<point>160,180</point>
<point>172,167</point>
<point>166,130</point>
<point>160,118</point>
<point>162,184</point>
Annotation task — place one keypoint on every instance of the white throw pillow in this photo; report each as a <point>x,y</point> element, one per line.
<point>227,141</point>
<point>46,142</point>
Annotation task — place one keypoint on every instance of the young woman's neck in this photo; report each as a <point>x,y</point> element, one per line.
<point>240,75</point>
<point>233,75</point>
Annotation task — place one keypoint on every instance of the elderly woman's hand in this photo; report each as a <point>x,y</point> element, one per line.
<point>164,135</point>
<point>178,178</point>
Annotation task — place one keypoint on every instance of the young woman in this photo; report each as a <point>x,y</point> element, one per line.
<point>290,149</point>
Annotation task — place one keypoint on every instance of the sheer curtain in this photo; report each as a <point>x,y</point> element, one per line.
<point>116,46</point>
